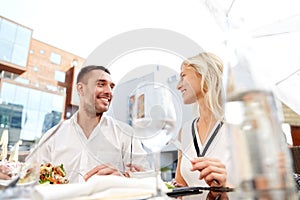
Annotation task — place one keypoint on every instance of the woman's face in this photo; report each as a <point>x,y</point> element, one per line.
<point>189,84</point>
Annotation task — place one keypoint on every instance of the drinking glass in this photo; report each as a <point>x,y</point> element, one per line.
<point>262,161</point>
<point>154,121</point>
<point>24,175</point>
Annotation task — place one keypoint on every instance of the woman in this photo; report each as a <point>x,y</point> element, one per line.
<point>204,139</point>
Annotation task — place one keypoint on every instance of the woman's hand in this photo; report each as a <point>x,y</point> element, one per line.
<point>211,170</point>
<point>104,169</point>
<point>176,184</point>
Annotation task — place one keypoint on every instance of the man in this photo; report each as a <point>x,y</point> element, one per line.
<point>90,143</point>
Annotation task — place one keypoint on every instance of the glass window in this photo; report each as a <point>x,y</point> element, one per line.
<point>55,58</point>
<point>35,68</point>
<point>14,43</point>
<point>11,119</point>
<point>51,88</point>
<point>23,37</point>
<point>47,99</point>
<point>8,92</point>
<point>8,31</point>
<point>6,49</point>
<point>19,55</point>
<point>7,75</point>
<point>60,76</point>
<point>34,110</point>
<point>31,51</point>
<point>22,80</point>
<point>29,127</point>
<point>50,119</point>
<point>42,51</point>
<point>34,99</point>
<point>58,103</point>
<point>21,95</point>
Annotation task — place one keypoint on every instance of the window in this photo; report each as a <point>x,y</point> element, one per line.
<point>14,42</point>
<point>55,58</point>
<point>19,50</point>
<point>51,88</point>
<point>42,51</point>
<point>8,31</point>
<point>60,76</point>
<point>7,75</point>
<point>22,80</point>
<point>30,111</point>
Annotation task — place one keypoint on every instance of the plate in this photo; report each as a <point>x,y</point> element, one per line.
<point>6,182</point>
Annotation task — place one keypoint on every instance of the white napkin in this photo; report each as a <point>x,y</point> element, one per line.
<point>99,187</point>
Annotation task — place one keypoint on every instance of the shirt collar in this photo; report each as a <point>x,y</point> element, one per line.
<point>103,120</point>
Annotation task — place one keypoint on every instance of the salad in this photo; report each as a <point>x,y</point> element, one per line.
<point>52,174</point>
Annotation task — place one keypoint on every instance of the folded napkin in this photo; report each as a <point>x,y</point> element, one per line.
<point>99,187</point>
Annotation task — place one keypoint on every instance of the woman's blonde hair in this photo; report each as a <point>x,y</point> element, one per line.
<point>210,67</point>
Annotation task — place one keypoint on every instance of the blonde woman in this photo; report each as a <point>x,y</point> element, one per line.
<point>203,139</point>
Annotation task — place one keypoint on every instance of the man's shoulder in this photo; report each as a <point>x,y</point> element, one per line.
<point>62,124</point>
<point>113,120</point>
<point>119,125</point>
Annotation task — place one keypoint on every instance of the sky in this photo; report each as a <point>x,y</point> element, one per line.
<point>79,26</point>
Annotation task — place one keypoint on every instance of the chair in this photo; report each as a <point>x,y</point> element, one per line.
<point>295,153</point>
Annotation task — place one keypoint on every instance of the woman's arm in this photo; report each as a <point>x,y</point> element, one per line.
<point>179,180</point>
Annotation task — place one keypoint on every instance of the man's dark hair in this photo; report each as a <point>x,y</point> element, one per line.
<point>89,68</point>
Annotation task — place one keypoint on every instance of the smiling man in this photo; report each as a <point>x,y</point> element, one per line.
<point>90,142</point>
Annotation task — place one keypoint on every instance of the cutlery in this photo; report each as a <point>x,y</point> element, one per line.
<point>178,145</point>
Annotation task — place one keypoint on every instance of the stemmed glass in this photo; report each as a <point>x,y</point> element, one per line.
<point>261,158</point>
<point>153,117</point>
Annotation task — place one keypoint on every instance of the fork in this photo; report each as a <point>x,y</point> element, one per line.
<point>178,145</point>
<point>13,183</point>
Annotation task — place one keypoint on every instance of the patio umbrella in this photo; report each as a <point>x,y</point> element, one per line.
<point>272,29</point>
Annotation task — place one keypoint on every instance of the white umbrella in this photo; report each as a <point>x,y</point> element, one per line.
<point>273,28</point>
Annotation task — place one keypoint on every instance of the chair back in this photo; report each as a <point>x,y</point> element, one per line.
<point>295,153</point>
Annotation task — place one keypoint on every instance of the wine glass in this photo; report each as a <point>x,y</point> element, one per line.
<point>261,157</point>
<point>153,118</point>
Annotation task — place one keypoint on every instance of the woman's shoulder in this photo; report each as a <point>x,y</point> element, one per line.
<point>188,123</point>
<point>186,132</point>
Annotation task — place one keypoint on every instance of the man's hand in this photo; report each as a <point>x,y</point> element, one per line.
<point>135,168</point>
<point>4,173</point>
<point>104,169</point>
<point>131,168</point>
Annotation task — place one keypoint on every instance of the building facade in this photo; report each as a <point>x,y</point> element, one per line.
<point>35,80</point>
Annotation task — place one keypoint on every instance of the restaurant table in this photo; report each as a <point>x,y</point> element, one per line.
<point>24,193</point>
<point>209,195</point>
<point>115,187</point>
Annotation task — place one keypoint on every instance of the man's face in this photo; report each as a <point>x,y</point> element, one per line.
<point>96,92</point>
